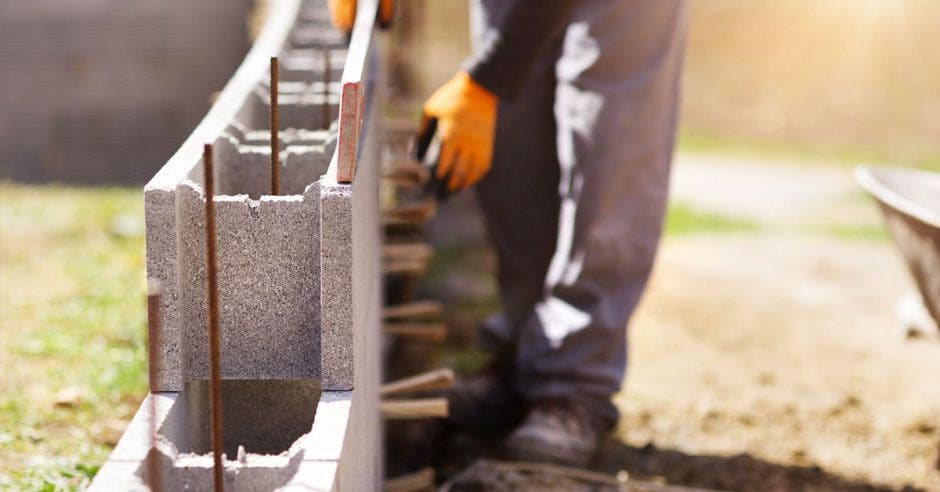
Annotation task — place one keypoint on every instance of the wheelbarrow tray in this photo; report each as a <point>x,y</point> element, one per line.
<point>909,200</point>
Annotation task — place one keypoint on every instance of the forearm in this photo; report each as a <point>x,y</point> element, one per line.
<point>503,64</point>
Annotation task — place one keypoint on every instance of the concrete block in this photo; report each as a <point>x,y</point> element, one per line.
<point>336,299</point>
<point>316,35</point>
<point>161,263</point>
<point>242,169</point>
<point>307,64</point>
<point>268,266</point>
<point>288,136</point>
<point>299,290</point>
<point>304,110</point>
<point>291,436</point>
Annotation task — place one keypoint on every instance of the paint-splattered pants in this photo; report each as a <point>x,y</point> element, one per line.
<point>575,198</point>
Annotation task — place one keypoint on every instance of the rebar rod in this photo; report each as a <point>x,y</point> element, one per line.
<point>153,343</point>
<point>215,410</point>
<point>325,108</point>
<point>275,140</point>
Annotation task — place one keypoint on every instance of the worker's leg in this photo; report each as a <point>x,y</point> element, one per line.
<point>519,196</point>
<point>615,107</point>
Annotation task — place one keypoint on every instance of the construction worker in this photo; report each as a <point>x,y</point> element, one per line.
<point>564,119</point>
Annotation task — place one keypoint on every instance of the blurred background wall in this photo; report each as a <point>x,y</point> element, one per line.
<point>846,79</point>
<point>104,91</point>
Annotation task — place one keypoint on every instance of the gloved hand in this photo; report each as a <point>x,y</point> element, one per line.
<point>466,114</point>
<point>343,13</point>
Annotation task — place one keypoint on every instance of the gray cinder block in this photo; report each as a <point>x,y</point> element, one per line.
<point>301,110</point>
<point>268,266</point>
<point>292,435</point>
<point>336,289</point>
<point>299,288</point>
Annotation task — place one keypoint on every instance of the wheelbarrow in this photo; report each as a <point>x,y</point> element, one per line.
<point>909,200</point>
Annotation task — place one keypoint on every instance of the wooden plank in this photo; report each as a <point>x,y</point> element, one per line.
<point>437,379</point>
<point>407,251</point>
<point>416,213</point>
<point>414,408</point>
<point>416,309</point>
<point>406,174</point>
<point>405,267</point>
<point>428,332</point>
<point>352,93</point>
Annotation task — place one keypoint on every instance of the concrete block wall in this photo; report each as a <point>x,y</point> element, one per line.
<point>268,246</point>
<point>299,280</point>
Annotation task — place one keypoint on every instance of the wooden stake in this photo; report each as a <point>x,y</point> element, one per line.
<point>411,213</point>
<point>413,267</point>
<point>427,381</point>
<point>428,332</point>
<point>408,251</point>
<point>413,310</point>
<point>417,408</point>
<point>275,139</point>
<point>406,174</point>
<point>410,258</point>
<point>420,480</point>
<point>154,290</point>
<point>215,410</point>
<point>325,108</point>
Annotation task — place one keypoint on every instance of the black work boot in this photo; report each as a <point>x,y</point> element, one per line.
<point>484,403</point>
<point>487,402</point>
<point>560,432</point>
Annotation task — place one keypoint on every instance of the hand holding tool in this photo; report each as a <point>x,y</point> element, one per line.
<point>461,114</point>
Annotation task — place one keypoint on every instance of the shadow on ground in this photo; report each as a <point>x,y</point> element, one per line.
<point>736,472</point>
<point>431,444</point>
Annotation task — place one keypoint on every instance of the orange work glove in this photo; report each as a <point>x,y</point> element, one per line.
<point>466,114</point>
<point>343,13</point>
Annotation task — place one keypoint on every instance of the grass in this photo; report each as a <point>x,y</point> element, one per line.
<point>682,219</point>
<point>72,351</point>
<point>773,150</point>
<point>846,232</point>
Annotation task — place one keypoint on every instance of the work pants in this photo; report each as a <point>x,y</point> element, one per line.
<point>574,201</point>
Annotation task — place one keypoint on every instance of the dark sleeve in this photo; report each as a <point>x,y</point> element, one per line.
<point>504,61</point>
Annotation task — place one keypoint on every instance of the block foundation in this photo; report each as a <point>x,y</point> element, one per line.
<point>298,278</point>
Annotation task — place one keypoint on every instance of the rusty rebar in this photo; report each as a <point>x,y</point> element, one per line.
<point>325,107</point>
<point>215,409</point>
<point>154,291</point>
<point>275,140</point>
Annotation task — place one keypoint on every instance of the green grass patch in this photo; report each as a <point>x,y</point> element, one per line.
<point>72,297</point>
<point>867,233</point>
<point>683,219</point>
<point>705,143</point>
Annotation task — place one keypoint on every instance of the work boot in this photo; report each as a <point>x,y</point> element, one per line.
<point>559,432</point>
<point>484,403</point>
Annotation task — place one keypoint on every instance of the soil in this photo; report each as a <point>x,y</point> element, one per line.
<point>776,362</point>
<point>767,360</point>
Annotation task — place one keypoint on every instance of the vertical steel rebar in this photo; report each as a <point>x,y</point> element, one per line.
<point>325,108</point>
<point>275,140</point>
<point>215,410</point>
<point>153,343</point>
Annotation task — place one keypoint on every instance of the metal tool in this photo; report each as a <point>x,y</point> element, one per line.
<point>428,152</point>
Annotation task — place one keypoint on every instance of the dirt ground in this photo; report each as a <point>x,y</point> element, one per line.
<point>778,360</point>
<point>763,360</point>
